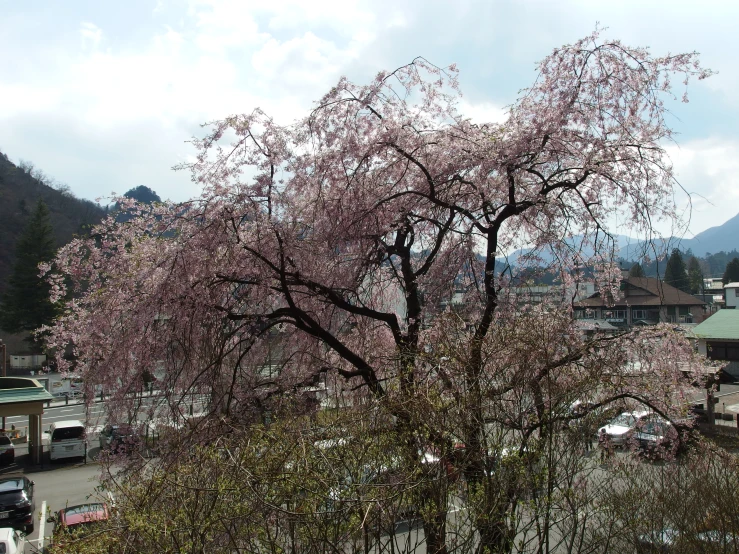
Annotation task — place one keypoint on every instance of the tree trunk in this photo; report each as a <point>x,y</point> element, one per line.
<point>495,536</point>
<point>434,527</point>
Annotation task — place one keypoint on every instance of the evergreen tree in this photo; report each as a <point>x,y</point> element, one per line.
<point>731,274</point>
<point>25,305</point>
<point>676,273</point>
<point>636,271</point>
<point>695,276</point>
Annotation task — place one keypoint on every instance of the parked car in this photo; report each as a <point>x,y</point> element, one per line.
<point>398,503</point>
<point>17,506</point>
<point>672,540</point>
<point>659,540</point>
<point>119,437</point>
<point>654,433</point>
<point>621,428</point>
<point>7,450</point>
<point>74,393</point>
<point>68,440</point>
<point>77,520</point>
<point>11,541</point>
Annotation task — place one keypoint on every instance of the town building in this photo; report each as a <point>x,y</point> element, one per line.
<point>718,339</point>
<point>731,295</point>
<point>642,301</point>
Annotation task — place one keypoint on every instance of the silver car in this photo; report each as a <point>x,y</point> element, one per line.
<point>621,428</point>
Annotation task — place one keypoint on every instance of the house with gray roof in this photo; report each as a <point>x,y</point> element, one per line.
<point>643,301</point>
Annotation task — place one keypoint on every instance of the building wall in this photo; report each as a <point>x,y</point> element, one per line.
<point>33,361</point>
<point>698,313</point>
<point>732,297</point>
<point>732,366</point>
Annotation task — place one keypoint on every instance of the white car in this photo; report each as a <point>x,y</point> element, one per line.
<point>621,428</point>
<point>11,541</point>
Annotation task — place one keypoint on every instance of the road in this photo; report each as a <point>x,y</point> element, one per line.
<point>67,483</point>
<point>56,487</point>
<point>70,483</point>
<point>63,484</point>
<point>94,416</point>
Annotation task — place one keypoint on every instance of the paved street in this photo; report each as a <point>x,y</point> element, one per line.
<point>56,487</point>
<point>65,483</point>
<point>70,483</point>
<point>60,484</point>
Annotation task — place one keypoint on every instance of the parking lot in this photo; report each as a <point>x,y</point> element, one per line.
<point>59,484</point>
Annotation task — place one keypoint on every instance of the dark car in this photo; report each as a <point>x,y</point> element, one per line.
<point>7,450</point>
<point>656,436</point>
<point>17,506</point>
<point>119,438</point>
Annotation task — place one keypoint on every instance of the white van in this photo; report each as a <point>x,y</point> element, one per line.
<point>11,541</point>
<point>68,439</point>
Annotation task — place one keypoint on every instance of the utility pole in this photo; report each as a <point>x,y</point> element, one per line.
<point>2,360</point>
<point>711,400</point>
<point>3,349</point>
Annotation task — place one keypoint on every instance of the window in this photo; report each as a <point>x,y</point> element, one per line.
<point>584,314</point>
<point>4,440</point>
<point>616,314</point>
<point>639,313</point>
<point>625,420</point>
<point>68,433</point>
<point>723,351</point>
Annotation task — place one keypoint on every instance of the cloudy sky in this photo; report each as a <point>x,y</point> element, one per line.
<point>103,96</point>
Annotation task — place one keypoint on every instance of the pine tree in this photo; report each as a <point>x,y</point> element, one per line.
<point>695,276</point>
<point>25,305</point>
<point>636,271</point>
<point>731,274</point>
<point>676,273</point>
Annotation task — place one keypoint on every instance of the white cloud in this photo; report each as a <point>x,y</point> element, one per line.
<point>27,98</point>
<point>165,68</point>
<point>708,169</point>
<point>306,64</point>
<point>225,24</point>
<point>91,34</point>
<point>344,16</point>
<point>483,112</point>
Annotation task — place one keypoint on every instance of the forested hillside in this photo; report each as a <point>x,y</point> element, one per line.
<point>21,186</point>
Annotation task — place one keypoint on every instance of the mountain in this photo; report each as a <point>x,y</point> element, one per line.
<point>143,194</point>
<point>575,243</point>
<point>21,187</point>
<point>723,237</point>
<point>716,239</point>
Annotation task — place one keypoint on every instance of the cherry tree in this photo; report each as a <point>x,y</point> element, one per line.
<point>363,247</point>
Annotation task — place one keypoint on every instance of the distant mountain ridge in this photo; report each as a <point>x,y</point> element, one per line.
<point>723,237</point>
<point>575,243</point>
<point>21,187</point>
